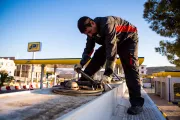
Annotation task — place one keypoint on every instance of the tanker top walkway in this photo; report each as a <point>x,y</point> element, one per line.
<point>150,110</point>
<point>171,111</point>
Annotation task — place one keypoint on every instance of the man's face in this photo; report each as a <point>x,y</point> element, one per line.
<point>91,30</point>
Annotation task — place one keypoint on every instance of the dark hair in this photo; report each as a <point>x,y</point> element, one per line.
<point>81,23</point>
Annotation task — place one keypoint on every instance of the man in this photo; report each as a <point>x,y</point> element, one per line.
<point>116,36</point>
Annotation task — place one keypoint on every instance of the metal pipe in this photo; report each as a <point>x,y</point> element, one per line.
<point>169,91</point>
<point>42,75</point>
<point>55,68</point>
<point>32,70</point>
<point>86,76</point>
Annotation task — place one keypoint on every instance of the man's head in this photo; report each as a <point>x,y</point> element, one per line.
<point>87,26</point>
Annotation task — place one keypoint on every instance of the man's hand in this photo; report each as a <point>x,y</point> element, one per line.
<point>106,79</point>
<point>77,67</point>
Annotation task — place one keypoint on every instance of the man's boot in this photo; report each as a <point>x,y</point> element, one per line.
<point>134,110</point>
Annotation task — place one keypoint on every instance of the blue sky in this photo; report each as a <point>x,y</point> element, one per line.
<point>54,23</point>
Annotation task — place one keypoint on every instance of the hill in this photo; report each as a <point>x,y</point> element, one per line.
<point>151,70</point>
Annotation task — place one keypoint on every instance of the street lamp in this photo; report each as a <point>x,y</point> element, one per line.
<point>169,78</point>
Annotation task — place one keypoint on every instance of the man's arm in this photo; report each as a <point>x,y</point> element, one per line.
<point>88,50</point>
<point>111,47</point>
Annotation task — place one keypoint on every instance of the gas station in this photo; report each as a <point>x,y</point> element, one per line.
<point>60,61</point>
<point>36,46</point>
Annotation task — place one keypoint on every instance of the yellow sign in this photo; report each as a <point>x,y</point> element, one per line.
<point>34,46</point>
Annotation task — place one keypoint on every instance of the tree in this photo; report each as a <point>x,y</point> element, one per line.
<point>164,17</point>
<point>4,77</point>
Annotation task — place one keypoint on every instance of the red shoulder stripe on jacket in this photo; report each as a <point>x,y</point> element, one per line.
<point>126,29</point>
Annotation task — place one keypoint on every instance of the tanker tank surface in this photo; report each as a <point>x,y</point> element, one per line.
<point>38,105</point>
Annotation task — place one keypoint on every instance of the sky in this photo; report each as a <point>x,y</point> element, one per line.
<point>54,24</point>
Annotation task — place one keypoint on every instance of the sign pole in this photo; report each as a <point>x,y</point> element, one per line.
<point>33,47</point>
<point>32,71</point>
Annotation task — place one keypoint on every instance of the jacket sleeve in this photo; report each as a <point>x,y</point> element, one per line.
<point>88,50</point>
<point>111,47</point>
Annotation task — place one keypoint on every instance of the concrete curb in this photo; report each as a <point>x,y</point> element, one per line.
<point>17,87</point>
<point>25,87</point>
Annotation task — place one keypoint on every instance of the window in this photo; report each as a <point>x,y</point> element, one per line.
<point>142,72</point>
<point>142,67</point>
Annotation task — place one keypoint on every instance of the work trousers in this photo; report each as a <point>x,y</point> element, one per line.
<point>128,53</point>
